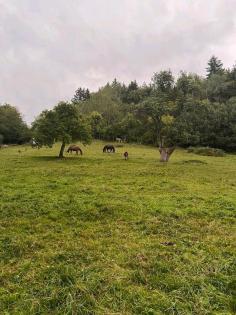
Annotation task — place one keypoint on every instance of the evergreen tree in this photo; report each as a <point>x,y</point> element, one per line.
<point>215,66</point>
<point>81,95</point>
<point>133,86</point>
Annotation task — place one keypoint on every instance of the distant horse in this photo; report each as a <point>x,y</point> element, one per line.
<point>75,148</point>
<point>109,148</point>
<point>119,140</point>
<point>35,144</point>
<point>126,155</point>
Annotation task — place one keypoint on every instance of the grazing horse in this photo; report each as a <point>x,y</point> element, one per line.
<point>109,148</point>
<point>75,148</point>
<point>126,155</point>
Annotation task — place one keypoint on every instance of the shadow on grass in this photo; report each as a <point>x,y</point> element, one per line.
<point>191,162</point>
<point>46,158</point>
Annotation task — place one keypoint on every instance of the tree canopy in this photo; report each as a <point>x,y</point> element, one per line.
<point>215,66</point>
<point>185,111</point>
<point>81,95</point>
<point>12,127</point>
<point>63,123</point>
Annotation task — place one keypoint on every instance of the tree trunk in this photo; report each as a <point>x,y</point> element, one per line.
<point>166,153</point>
<point>62,150</point>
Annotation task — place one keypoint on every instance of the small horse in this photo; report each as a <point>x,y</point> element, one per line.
<point>109,148</point>
<point>75,148</point>
<point>126,155</point>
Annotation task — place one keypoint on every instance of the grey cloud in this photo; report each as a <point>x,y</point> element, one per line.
<point>49,48</point>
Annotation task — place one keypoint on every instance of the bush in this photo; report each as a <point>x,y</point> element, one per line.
<point>206,151</point>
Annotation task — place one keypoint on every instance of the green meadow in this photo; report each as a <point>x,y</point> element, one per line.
<point>96,234</point>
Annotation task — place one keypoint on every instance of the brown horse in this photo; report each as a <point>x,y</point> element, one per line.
<point>75,148</point>
<point>109,148</point>
<point>126,155</point>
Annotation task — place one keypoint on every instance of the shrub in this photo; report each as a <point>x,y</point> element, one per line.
<point>206,151</point>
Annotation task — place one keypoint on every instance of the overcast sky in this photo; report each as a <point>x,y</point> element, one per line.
<point>48,48</point>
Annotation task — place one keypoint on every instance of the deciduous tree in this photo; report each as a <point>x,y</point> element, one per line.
<point>62,123</point>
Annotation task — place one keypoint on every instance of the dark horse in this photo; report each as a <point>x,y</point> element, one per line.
<point>75,148</point>
<point>109,148</point>
<point>126,155</point>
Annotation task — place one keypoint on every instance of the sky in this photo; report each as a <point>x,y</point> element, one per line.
<point>49,48</point>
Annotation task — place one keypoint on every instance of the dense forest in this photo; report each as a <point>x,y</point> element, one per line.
<point>189,110</point>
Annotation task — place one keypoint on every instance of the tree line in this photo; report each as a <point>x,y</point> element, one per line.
<point>189,110</point>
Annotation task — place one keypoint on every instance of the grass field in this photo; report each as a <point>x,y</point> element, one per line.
<point>99,235</point>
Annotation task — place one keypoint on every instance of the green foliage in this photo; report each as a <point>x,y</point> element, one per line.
<point>208,124</point>
<point>81,95</point>
<point>191,85</point>
<point>215,66</point>
<point>187,111</point>
<point>163,81</point>
<point>1,139</point>
<point>62,123</point>
<point>217,88</point>
<point>100,235</point>
<point>12,127</point>
<point>159,112</point>
<point>97,123</point>
<point>201,111</point>
<point>206,151</point>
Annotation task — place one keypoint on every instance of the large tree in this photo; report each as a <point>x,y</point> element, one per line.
<point>160,113</point>
<point>189,84</point>
<point>12,127</point>
<point>163,81</point>
<point>62,123</point>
